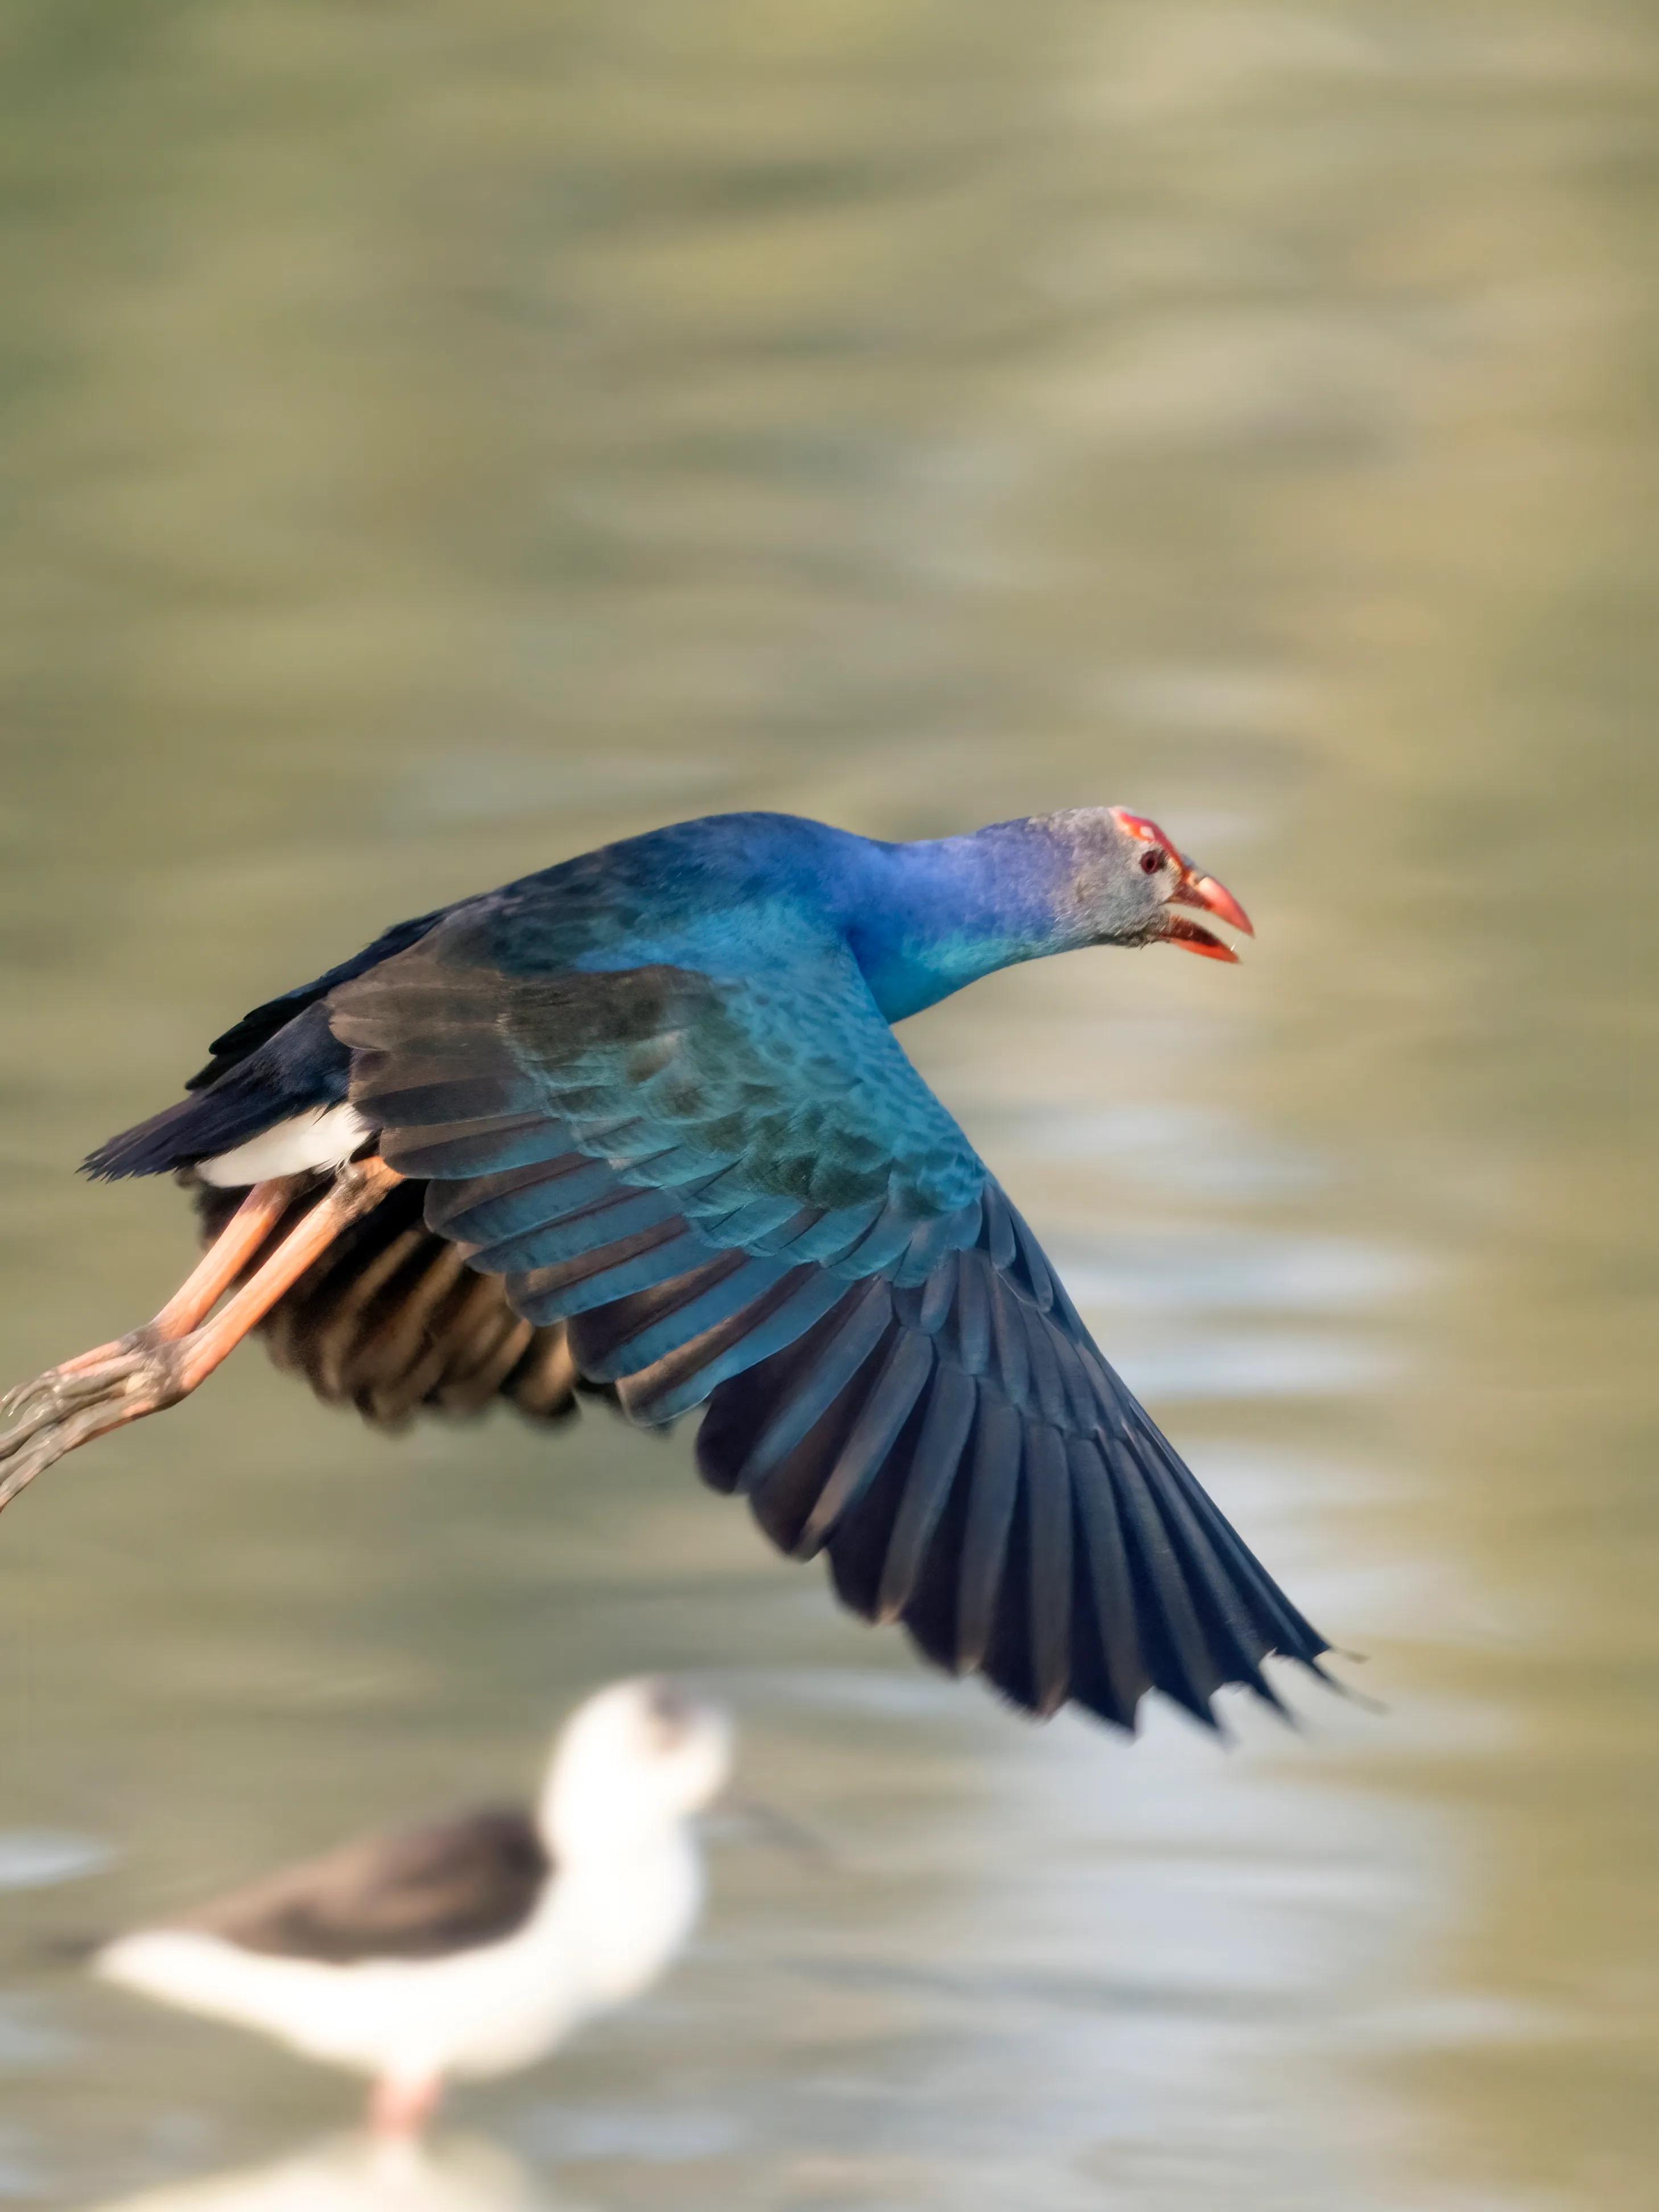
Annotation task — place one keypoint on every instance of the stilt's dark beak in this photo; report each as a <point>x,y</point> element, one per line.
<point>769,1826</point>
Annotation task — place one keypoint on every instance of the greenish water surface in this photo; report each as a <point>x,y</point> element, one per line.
<point>434,439</point>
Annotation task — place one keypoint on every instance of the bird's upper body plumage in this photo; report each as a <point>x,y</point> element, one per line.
<point>473,1944</point>
<point>737,897</point>
<point>655,1092</point>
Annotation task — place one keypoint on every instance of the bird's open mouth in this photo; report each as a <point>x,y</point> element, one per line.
<point>1161,855</point>
<point>1212,897</point>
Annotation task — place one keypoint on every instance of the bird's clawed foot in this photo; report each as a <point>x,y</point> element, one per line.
<point>164,1361</point>
<point>84,1398</point>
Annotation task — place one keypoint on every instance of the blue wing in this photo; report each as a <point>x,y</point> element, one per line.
<point>595,1136</point>
<point>735,1189</point>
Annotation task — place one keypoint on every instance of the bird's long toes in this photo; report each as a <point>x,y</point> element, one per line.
<point>59,1391</point>
<point>30,1407</point>
<point>67,1406</point>
<point>21,1397</point>
<point>23,1458</point>
<point>90,1410</point>
<point>19,1465</point>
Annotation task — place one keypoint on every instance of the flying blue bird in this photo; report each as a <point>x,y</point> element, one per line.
<point>639,1122</point>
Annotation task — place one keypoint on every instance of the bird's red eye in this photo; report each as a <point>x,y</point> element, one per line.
<point>1151,862</point>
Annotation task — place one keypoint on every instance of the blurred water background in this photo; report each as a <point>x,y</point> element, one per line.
<point>434,439</point>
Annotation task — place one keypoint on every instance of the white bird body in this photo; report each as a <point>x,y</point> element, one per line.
<point>598,1939</point>
<point>618,1894</point>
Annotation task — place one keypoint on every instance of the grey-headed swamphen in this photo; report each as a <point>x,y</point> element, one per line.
<point>639,1123</point>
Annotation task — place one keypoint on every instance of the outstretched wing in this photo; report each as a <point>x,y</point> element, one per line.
<point>738,1190</point>
<point>413,1893</point>
<point>973,1468</point>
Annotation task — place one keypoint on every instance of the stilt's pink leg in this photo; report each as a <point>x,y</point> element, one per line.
<point>402,2111</point>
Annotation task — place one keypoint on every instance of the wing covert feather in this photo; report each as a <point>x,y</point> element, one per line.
<point>730,1091</point>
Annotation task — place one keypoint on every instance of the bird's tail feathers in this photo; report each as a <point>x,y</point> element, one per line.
<point>198,1128</point>
<point>300,1070</point>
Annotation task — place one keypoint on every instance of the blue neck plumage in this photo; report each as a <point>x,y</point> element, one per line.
<point>929,918</point>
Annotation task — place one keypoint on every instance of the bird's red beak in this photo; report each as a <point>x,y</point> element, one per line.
<point>1215,898</point>
<point>1191,890</point>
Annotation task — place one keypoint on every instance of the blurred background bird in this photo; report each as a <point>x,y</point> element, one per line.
<point>476,1945</point>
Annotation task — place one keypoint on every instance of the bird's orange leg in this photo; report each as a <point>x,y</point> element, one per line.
<point>168,1358</point>
<point>200,1291</point>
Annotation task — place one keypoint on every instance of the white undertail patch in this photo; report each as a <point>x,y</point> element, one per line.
<point>325,1138</point>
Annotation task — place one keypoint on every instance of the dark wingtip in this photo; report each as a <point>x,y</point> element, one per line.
<point>1339,1688</point>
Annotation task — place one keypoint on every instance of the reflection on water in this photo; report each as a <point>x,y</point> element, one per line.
<point>437,441</point>
<point>358,2176</point>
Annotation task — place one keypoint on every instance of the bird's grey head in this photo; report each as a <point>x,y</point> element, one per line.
<point>1126,879</point>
